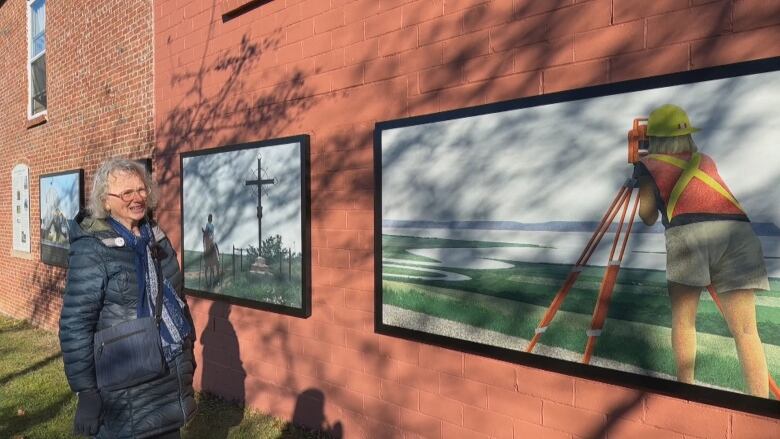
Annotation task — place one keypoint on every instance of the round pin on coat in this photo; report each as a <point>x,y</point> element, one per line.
<point>119,241</point>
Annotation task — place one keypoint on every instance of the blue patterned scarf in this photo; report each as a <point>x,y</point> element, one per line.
<point>174,326</point>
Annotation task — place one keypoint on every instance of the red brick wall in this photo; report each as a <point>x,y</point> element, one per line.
<point>100,84</point>
<point>331,69</point>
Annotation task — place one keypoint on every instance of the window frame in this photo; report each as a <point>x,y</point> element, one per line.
<point>31,59</point>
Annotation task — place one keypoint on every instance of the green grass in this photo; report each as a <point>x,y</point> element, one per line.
<point>509,317</point>
<point>512,301</point>
<point>219,419</point>
<point>284,289</point>
<point>281,292</point>
<point>410,272</point>
<point>36,402</point>
<point>639,295</point>
<point>639,344</point>
<point>192,261</point>
<point>395,246</point>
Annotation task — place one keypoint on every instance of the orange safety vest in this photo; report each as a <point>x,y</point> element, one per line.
<point>690,184</point>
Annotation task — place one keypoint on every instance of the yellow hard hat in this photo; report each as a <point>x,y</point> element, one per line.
<point>669,121</point>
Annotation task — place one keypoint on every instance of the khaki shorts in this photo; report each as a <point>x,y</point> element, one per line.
<point>726,254</point>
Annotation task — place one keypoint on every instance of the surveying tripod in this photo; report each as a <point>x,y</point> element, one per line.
<point>637,138</point>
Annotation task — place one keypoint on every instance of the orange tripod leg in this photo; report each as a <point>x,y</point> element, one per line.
<point>571,278</point>
<point>608,281</point>
<point>554,306</point>
<point>773,387</point>
<point>600,311</point>
<point>715,298</point>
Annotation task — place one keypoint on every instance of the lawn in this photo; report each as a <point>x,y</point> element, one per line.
<point>394,247</point>
<point>632,343</point>
<point>36,402</point>
<point>639,295</point>
<point>512,301</point>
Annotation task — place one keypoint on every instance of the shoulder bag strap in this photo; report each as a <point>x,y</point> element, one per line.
<point>160,289</point>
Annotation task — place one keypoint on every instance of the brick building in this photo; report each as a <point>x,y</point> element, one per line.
<point>332,69</point>
<point>236,71</point>
<point>93,67</point>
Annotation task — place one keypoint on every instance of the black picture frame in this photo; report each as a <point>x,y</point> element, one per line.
<point>709,395</point>
<point>300,257</point>
<point>57,206</point>
<point>146,162</point>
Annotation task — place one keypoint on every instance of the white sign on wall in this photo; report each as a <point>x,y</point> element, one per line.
<point>20,207</point>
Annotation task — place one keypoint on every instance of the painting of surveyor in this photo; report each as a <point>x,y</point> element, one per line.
<point>536,227</point>
<point>709,242</point>
<point>60,197</point>
<point>251,247</point>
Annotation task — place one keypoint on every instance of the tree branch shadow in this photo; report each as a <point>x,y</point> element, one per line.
<point>207,118</point>
<point>29,369</point>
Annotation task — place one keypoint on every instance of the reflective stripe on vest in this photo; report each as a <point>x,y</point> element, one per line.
<point>690,170</point>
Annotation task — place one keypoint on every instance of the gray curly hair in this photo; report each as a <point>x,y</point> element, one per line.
<point>114,166</point>
<point>671,145</point>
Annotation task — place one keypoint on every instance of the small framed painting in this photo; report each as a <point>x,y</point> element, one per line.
<point>61,197</point>
<point>245,224</point>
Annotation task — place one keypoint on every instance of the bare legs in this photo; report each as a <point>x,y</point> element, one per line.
<point>740,312</point>
<point>739,307</point>
<point>685,301</point>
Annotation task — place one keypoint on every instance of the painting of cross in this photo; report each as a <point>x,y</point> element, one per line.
<point>259,182</point>
<point>257,195</point>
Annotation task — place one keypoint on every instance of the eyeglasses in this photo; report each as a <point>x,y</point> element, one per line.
<point>129,194</point>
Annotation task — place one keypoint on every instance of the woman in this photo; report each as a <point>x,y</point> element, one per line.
<point>109,281</point>
<point>709,241</point>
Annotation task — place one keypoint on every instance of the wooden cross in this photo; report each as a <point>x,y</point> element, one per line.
<point>259,182</point>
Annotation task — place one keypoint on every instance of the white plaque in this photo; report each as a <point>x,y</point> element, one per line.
<point>20,207</point>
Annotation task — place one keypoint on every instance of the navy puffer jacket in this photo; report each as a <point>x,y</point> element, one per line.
<point>102,291</point>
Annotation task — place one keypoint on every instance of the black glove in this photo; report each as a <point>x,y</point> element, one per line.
<point>88,413</point>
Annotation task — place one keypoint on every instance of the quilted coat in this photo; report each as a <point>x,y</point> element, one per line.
<point>102,291</point>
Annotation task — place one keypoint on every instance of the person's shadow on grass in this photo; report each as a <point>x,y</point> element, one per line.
<point>222,378</point>
<point>309,414</point>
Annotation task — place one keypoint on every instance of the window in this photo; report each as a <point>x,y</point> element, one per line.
<point>36,12</point>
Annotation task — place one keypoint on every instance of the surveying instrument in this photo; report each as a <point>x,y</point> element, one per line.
<point>637,148</point>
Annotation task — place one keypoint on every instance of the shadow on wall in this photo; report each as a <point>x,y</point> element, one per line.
<point>222,371</point>
<point>626,409</point>
<point>224,97</point>
<point>310,413</point>
<point>49,283</point>
<point>218,104</point>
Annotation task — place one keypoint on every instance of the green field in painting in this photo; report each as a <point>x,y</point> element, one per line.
<point>394,247</point>
<point>281,287</point>
<point>513,300</point>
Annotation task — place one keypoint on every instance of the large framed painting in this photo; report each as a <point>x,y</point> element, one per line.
<point>245,224</point>
<point>61,198</point>
<point>609,232</point>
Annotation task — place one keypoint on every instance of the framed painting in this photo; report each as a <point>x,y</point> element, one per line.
<point>146,163</point>
<point>61,198</point>
<point>560,231</point>
<point>245,224</point>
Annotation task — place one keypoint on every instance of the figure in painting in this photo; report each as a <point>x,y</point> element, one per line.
<point>210,253</point>
<point>709,241</point>
<point>54,225</point>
